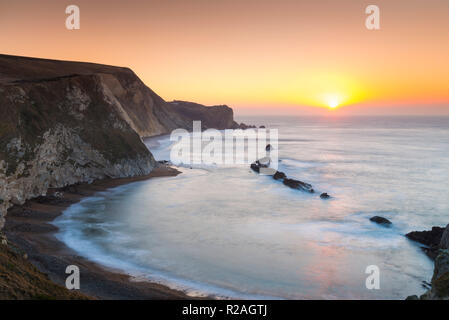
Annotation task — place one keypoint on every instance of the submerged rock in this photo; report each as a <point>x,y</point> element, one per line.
<point>437,240</point>
<point>299,185</point>
<point>324,196</point>
<point>261,163</point>
<point>380,220</point>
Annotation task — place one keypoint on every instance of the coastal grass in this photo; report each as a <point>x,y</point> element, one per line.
<point>20,280</point>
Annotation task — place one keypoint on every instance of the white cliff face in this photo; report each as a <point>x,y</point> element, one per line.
<point>67,122</point>
<point>63,159</point>
<point>61,131</point>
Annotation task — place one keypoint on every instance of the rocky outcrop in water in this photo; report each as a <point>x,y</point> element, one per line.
<point>262,165</point>
<point>431,239</point>
<point>437,239</point>
<point>299,185</point>
<point>279,175</point>
<point>380,220</point>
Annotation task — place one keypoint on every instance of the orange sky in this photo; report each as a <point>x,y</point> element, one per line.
<point>276,56</point>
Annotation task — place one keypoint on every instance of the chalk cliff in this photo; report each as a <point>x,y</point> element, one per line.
<point>67,122</point>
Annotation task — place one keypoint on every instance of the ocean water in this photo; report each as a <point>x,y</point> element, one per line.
<point>228,232</point>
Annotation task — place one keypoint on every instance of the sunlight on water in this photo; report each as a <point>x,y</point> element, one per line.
<point>230,232</point>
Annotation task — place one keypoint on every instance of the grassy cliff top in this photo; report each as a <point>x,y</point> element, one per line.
<point>16,69</point>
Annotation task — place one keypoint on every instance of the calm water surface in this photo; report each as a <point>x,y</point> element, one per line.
<point>230,232</point>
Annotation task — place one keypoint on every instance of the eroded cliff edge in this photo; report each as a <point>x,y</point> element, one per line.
<point>65,122</point>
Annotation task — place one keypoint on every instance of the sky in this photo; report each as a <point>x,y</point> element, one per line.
<point>264,56</point>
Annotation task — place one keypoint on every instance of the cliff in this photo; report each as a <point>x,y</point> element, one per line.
<point>217,117</point>
<point>68,122</point>
<point>437,248</point>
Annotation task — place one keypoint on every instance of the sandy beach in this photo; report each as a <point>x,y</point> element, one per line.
<point>28,228</point>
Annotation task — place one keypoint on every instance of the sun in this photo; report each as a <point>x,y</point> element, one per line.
<point>333,103</point>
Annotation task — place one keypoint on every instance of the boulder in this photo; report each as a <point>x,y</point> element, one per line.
<point>269,147</point>
<point>279,175</point>
<point>380,220</point>
<point>324,196</point>
<point>299,185</point>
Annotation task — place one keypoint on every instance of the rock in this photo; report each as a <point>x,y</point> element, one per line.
<point>414,297</point>
<point>380,220</point>
<point>324,196</point>
<point>263,163</point>
<point>299,185</point>
<point>255,167</point>
<point>440,279</point>
<point>269,147</point>
<point>245,126</point>
<point>429,238</point>
<point>262,127</point>
<point>444,242</point>
<point>279,175</point>
<point>434,240</point>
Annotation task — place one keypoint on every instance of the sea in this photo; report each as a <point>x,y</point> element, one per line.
<point>228,232</point>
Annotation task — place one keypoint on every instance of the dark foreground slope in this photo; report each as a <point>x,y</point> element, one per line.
<point>19,279</point>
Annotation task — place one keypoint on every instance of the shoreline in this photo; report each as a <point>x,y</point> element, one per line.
<point>28,227</point>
